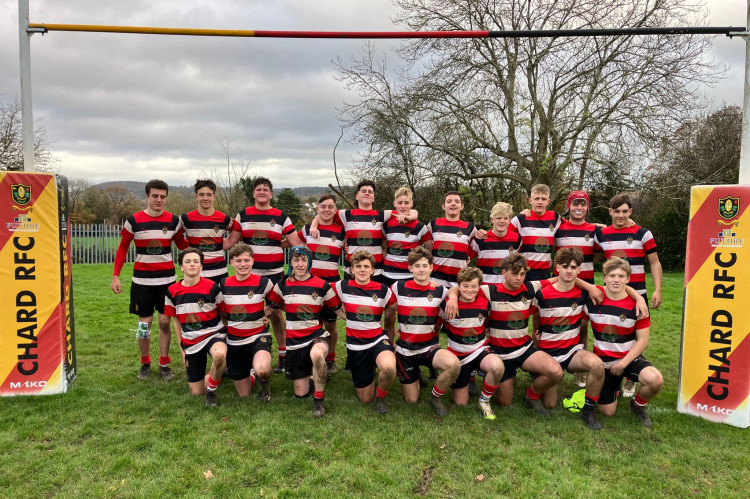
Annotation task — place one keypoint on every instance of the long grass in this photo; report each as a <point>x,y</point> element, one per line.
<point>112,436</point>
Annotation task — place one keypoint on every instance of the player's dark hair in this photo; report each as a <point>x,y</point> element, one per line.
<point>417,254</point>
<point>515,262</point>
<point>156,184</point>
<point>204,182</point>
<point>453,193</point>
<point>240,248</point>
<point>363,183</point>
<point>181,255</point>
<point>565,256</point>
<point>263,181</point>
<point>361,255</point>
<point>326,197</point>
<point>620,200</point>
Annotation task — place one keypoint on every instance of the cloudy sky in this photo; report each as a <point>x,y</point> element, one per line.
<point>134,107</point>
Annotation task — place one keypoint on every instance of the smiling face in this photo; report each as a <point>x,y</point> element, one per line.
<point>299,266</point>
<point>500,225</point>
<point>452,205</point>
<point>579,208</point>
<point>263,195</point>
<point>205,197</point>
<point>403,204</point>
<point>421,270</point>
<point>620,216</point>
<point>326,210</point>
<point>468,290</point>
<point>615,281</point>
<point>243,265</point>
<point>156,200</point>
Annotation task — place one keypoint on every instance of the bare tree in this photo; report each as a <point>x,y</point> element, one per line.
<point>11,141</point>
<point>499,115</point>
<point>230,197</point>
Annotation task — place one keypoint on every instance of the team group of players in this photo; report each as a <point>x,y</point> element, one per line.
<point>397,269</point>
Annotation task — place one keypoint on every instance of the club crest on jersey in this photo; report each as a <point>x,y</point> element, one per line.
<point>374,297</point>
<point>459,234</point>
<point>480,317</point>
<point>386,342</point>
<point>630,240</point>
<point>374,221</point>
<point>217,228</point>
<point>272,222</point>
<point>551,227</point>
<point>524,300</point>
<point>729,207</point>
<point>165,229</point>
<point>407,233</point>
<point>21,194</point>
<point>574,306</point>
<point>430,297</point>
<point>587,237</point>
<point>263,339</point>
<point>315,295</point>
<point>201,302</point>
<point>622,317</point>
<point>250,293</point>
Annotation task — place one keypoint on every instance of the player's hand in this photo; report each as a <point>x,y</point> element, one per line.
<point>402,218</point>
<point>641,308</point>
<point>596,295</point>
<point>481,234</point>
<point>617,369</point>
<point>631,222</point>
<point>526,212</point>
<point>536,336</point>
<point>314,233</point>
<point>116,286</point>
<point>655,299</point>
<point>451,308</point>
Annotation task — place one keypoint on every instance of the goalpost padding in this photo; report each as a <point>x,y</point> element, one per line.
<point>715,353</point>
<point>37,341</point>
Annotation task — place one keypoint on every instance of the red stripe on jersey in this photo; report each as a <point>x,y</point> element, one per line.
<point>492,251</point>
<point>451,248</point>
<point>466,333</point>
<point>364,307</point>
<point>570,235</point>
<point>560,314</point>
<point>243,305</point>
<point>632,244</point>
<point>538,233</point>
<point>326,250</point>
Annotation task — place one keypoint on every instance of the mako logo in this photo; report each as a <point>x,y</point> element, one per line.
<point>17,385</point>
<point>715,409</point>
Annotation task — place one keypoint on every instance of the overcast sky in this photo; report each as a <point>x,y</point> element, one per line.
<point>135,107</point>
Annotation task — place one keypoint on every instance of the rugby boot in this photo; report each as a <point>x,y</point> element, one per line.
<point>422,380</point>
<point>628,388</point>
<point>589,417</point>
<point>536,405</point>
<point>473,392</point>
<point>438,406</point>
<point>640,413</point>
<point>264,391</point>
<point>486,409</point>
<point>331,366</point>
<point>144,372</point>
<point>279,367</point>
<point>380,405</point>
<point>211,400</point>
<point>166,373</point>
<point>319,409</point>
<point>433,374</point>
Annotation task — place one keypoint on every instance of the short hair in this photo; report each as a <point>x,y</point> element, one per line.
<point>262,181</point>
<point>363,183</point>
<point>240,248</point>
<point>467,274</point>
<point>615,263</point>
<point>182,254</point>
<point>501,210</point>
<point>417,254</point>
<point>620,200</point>
<point>326,197</point>
<point>540,189</point>
<point>361,255</point>
<point>156,184</point>
<point>403,191</point>
<point>453,193</point>
<point>204,182</point>
<point>515,262</point>
<point>565,256</point>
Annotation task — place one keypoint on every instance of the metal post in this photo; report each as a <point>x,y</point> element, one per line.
<point>24,49</point>
<point>745,153</point>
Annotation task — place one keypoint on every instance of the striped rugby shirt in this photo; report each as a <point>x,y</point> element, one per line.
<point>466,333</point>
<point>243,305</point>
<point>560,315</point>
<point>492,251</point>
<point>570,235</point>
<point>614,323</point>
<point>364,306</point>
<point>206,232</point>
<point>197,309</point>
<point>400,240</point>
<point>451,248</point>
<point>302,302</point>
<point>364,231</point>
<point>263,230</point>
<point>326,250</point>
<point>538,233</point>
<point>631,244</point>
<point>418,313</point>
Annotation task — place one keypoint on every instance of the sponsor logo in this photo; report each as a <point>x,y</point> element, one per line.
<point>609,333</point>
<point>516,320</point>
<point>192,323</point>
<point>237,313</point>
<point>364,238</point>
<point>21,194</point>
<point>542,245</point>
<point>259,238</point>
<point>560,324</point>
<point>445,250</point>
<point>206,244</point>
<point>418,316</point>
<point>729,207</point>
<point>470,336</point>
<point>22,223</point>
<point>305,312</point>
<point>726,238</point>
<point>153,247</point>
<point>322,253</point>
<point>396,248</point>
<point>364,314</point>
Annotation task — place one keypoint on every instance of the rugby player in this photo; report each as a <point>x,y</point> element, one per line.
<point>537,231</point>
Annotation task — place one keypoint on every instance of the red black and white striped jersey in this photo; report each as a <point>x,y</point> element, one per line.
<point>302,302</point>
<point>263,230</point>
<point>538,232</point>
<point>153,238</point>
<point>243,305</point>
<point>631,244</point>
<point>581,236</point>
<point>466,333</point>
<point>206,232</point>
<point>326,250</point>
<point>197,309</point>
<point>364,306</point>
<point>509,317</point>
<point>364,231</point>
<point>418,313</point>
<point>400,240</point>
<point>491,252</point>
<point>560,315</point>
<point>614,323</point>
<point>451,248</point>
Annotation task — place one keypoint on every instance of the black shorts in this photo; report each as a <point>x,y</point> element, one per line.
<point>327,314</point>
<point>566,363</point>
<point>407,366</point>
<point>240,357</point>
<point>197,362</point>
<point>362,362</point>
<point>465,375</point>
<point>612,383</point>
<point>145,299</point>
<point>298,363</point>
<point>513,365</point>
<point>537,275</point>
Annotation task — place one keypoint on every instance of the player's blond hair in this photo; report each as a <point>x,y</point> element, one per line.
<point>467,274</point>
<point>502,210</point>
<point>403,191</point>
<point>615,263</point>
<point>540,189</point>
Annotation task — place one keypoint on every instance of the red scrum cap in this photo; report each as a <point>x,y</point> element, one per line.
<point>577,195</point>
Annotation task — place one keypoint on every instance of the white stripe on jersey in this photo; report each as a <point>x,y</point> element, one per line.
<point>154,281</point>
<point>408,353</point>
<point>474,349</point>
<point>165,258</point>
<point>359,348</point>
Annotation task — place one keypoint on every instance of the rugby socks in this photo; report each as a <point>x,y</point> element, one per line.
<point>252,381</point>
<point>146,359</point>
<point>164,361</point>
<point>319,395</point>
<point>282,354</point>
<point>331,357</point>
<point>437,392</point>
<point>379,394</point>
<point>590,402</point>
<point>639,401</point>
<point>213,384</point>
<point>532,394</point>
<point>487,391</point>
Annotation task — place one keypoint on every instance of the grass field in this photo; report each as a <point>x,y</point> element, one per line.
<point>112,436</point>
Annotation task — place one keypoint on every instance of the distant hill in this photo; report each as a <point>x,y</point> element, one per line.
<point>138,189</point>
